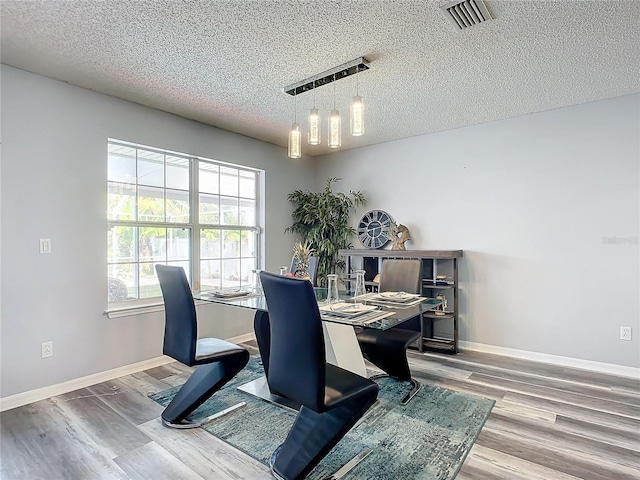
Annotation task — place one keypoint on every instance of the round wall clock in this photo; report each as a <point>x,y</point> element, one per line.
<point>373,228</point>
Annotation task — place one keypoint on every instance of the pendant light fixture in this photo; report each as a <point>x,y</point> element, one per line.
<point>334,124</point>
<point>334,131</point>
<point>314,122</point>
<point>356,118</point>
<point>295,150</point>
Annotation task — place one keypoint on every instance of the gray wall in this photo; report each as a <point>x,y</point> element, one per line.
<point>53,185</point>
<point>530,200</point>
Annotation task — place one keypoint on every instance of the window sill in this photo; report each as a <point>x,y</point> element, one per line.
<point>120,310</point>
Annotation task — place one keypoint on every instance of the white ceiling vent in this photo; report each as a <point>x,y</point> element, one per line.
<point>467,13</point>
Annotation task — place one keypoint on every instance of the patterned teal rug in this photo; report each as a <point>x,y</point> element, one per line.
<point>427,439</point>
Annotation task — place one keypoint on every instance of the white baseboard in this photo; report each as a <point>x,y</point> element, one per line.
<point>38,394</point>
<point>24,398</point>
<point>609,368</point>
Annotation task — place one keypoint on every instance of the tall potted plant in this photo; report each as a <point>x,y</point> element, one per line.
<point>322,219</point>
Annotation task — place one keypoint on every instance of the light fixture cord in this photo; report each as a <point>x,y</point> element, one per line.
<point>334,91</point>
<point>295,107</point>
<point>357,80</point>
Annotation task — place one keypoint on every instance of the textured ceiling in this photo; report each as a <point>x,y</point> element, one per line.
<point>225,63</point>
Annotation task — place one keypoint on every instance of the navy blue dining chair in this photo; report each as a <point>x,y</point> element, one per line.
<point>332,399</point>
<point>217,361</point>
<point>387,349</point>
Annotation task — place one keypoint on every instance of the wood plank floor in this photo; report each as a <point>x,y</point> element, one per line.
<point>548,423</point>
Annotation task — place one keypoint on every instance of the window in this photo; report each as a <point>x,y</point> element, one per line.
<point>174,209</point>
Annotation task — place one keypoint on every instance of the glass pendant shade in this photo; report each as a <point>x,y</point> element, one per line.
<point>294,142</point>
<point>356,120</point>
<point>335,140</point>
<point>314,127</point>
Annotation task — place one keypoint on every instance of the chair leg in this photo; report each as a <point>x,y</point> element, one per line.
<point>388,352</point>
<point>391,359</point>
<point>203,383</point>
<point>262,330</point>
<point>314,434</point>
<point>193,423</point>
<point>415,388</point>
<point>412,393</point>
<point>272,461</point>
<point>341,472</point>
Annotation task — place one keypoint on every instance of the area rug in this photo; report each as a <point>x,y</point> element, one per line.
<point>427,439</point>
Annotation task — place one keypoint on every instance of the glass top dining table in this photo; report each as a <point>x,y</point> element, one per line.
<point>341,345</point>
<point>367,311</point>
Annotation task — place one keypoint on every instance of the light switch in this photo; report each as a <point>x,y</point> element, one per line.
<point>45,246</point>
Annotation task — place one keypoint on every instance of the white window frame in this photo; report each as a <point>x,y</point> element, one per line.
<point>150,304</point>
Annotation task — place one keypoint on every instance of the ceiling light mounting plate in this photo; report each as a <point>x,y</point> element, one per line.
<point>323,78</point>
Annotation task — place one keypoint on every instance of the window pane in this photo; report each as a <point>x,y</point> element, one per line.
<point>121,201</point>
<point>150,204</point>
<point>210,243</point>
<point>121,164</point>
<point>149,285</point>
<point>248,244</point>
<point>121,283</point>
<point>247,184</point>
<point>229,181</point>
<point>121,244</point>
<point>177,172</point>
<point>210,274</point>
<point>178,209</point>
<point>247,213</point>
<point>152,244</point>
<point>231,263</point>
<point>231,273</point>
<point>247,265</point>
<point>231,243</point>
<point>230,211</point>
<point>209,178</point>
<point>150,168</point>
<point>209,210</point>
<point>179,245</point>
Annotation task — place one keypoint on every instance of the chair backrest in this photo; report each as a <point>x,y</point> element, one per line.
<point>401,276</point>
<point>297,361</point>
<point>313,267</point>
<point>181,325</point>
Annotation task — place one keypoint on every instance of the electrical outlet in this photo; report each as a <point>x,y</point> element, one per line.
<point>625,333</point>
<point>47,349</point>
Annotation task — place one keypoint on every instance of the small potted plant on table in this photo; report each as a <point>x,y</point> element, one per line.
<point>302,253</point>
